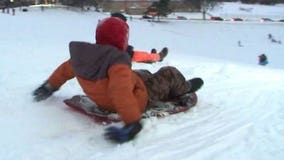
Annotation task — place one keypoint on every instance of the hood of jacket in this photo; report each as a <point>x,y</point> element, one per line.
<point>92,61</point>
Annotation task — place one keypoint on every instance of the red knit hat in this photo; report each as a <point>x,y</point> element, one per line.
<point>113,31</point>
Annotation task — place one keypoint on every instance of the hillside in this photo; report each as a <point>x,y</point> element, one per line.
<point>239,114</point>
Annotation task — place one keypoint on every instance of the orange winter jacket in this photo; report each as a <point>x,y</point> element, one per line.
<point>105,75</point>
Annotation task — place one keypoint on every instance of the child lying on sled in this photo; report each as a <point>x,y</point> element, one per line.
<point>103,70</point>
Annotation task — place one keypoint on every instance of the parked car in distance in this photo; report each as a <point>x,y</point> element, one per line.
<point>181,18</point>
<point>236,19</point>
<point>216,19</point>
<point>266,20</point>
<point>281,20</point>
<point>146,17</point>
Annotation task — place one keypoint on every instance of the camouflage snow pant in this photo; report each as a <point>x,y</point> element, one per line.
<point>166,84</point>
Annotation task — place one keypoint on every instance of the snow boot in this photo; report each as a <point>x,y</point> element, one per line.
<point>163,53</point>
<point>195,83</point>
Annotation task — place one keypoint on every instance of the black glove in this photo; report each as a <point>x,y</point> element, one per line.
<point>130,50</point>
<point>119,15</point>
<point>124,134</point>
<point>43,92</point>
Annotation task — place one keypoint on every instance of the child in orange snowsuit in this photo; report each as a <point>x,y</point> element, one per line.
<point>143,56</point>
<point>139,55</point>
<point>146,57</point>
<point>104,72</point>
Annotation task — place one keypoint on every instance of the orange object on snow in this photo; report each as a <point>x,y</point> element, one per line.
<point>142,56</point>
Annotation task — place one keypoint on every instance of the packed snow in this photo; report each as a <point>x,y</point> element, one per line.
<point>249,11</point>
<point>240,110</point>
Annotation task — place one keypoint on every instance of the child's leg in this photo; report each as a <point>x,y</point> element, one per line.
<point>142,56</point>
<point>144,74</point>
<point>166,84</point>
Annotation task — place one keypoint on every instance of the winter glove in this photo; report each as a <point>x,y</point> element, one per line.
<point>43,92</point>
<point>124,134</point>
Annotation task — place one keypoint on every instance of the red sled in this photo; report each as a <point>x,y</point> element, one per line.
<point>86,106</point>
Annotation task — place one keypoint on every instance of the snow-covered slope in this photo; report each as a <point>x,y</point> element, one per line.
<point>239,114</point>
<point>249,11</point>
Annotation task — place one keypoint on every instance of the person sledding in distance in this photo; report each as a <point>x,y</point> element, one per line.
<point>140,55</point>
<point>103,70</point>
<point>262,60</point>
<point>146,57</point>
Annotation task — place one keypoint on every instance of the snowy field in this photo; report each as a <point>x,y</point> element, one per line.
<point>249,11</point>
<point>239,114</point>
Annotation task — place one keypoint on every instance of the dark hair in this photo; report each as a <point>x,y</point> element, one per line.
<point>119,15</point>
<point>130,50</point>
<point>262,57</point>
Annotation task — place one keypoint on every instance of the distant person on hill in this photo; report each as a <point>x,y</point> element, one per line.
<point>262,60</point>
<point>103,70</point>
<point>270,36</point>
<point>146,57</point>
<point>273,40</point>
<point>13,11</point>
<point>240,44</point>
<point>143,56</point>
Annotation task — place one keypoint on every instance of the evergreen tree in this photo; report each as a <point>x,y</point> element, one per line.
<point>163,8</point>
<point>160,8</point>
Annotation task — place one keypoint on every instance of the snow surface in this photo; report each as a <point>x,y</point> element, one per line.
<point>239,114</point>
<point>249,11</point>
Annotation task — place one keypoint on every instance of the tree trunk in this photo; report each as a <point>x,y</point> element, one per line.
<point>204,15</point>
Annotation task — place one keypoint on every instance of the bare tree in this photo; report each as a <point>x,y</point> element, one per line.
<point>204,5</point>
